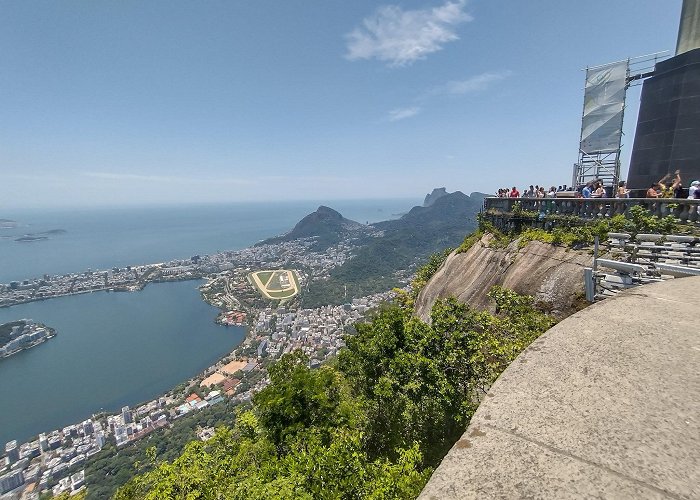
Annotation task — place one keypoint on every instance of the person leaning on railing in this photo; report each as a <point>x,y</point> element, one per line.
<point>653,192</point>
<point>622,191</point>
<point>599,191</point>
<point>586,192</point>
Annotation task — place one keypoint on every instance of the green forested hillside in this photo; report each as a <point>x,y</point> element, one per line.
<point>406,241</point>
<point>326,225</point>
<point>372,424</point>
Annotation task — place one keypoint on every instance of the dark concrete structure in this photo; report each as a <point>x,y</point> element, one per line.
<point>668,129</point>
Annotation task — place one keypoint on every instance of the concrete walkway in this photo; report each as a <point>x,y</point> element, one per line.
<point>604,405</point>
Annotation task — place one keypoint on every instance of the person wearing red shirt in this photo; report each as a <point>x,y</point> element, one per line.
<point>514,193</point>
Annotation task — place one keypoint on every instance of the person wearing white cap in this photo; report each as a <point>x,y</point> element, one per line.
<point>694,193</point>
<point>691,190</point>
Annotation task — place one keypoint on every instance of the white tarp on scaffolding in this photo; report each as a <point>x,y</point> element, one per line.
<point>603,105</point>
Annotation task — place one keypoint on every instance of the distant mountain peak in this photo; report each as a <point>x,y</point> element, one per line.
<point>325,224</point>
<point>436,194</point>
<point>325,211</point>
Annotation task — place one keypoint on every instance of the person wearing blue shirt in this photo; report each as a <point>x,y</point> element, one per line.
<point>586,191</point>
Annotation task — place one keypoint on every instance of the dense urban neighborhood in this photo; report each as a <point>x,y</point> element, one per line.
<point>313,264</point>
<point>54,461</point>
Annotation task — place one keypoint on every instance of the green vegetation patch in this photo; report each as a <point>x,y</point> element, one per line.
<point>373,424</point>
<point>470,241</point>
<point>279,281</point>
<point>572,231</point>
<point>112,467</point>
<point>428,270</point>
<point>264,276</point>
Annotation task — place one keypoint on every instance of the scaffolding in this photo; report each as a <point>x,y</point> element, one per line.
<point>597,166</point>
<point>596,162</point>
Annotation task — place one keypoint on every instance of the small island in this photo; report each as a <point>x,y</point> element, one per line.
<point>23,334</point>
<point>31,237</point>
<point>7,224</point>
<point>44,235</point>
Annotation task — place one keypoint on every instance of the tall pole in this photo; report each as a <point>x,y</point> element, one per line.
<point>689,28</point>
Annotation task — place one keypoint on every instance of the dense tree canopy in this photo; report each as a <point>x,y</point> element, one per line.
<point>372,424</point>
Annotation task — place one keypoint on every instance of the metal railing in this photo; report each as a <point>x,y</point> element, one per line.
<point>590,208</point>
<point>643,259</point>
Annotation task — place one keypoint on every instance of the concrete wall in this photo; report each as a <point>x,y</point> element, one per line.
<point>604,405</point>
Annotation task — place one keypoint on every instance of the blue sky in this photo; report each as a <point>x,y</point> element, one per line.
<point>136,102</point>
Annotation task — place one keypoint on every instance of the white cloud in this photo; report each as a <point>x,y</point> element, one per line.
<point>402,113</point>
<point>401,37</point>
<point>456,87</point>
<point>473,84</point>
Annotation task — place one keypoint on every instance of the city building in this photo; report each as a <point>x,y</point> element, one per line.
<point>11,480</point>
<point>126,415</point>
<point>11,453</point>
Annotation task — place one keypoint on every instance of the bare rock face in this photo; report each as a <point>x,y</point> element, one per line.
<point>434,195</point>
<point>552,275</point>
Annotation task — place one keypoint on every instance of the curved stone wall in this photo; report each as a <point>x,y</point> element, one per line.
<point>604,405</point>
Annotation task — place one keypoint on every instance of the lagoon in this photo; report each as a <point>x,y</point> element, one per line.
<point>112,349</point>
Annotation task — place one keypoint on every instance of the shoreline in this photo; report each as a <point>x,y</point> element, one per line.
<point>271,329</point>
<point>191,383</point>
<point>104,414</point>
<point>239,354</point>
<point>51,333</point>
<point>131,288</point>
<point>26,348</point>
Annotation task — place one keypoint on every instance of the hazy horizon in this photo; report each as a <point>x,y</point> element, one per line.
<point>146,204</point>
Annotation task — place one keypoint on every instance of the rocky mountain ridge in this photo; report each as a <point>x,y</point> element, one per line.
<point>384,253</point>
<point>434,195</point>
<point>328,226</point>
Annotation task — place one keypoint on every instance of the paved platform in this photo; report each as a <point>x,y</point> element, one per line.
<point>604,405</point>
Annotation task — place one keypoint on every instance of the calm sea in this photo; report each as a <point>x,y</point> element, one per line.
<point>104,238</point>
<point>116,349</point>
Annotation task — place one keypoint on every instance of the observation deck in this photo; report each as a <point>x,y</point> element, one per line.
<point>590,208</point>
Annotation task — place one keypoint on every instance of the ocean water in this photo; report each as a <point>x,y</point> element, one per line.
<point>103,238</point>
<point>117,348</point>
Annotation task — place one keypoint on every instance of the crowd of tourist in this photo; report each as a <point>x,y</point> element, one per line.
<point>532,192</point>
<point>670,186</point>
